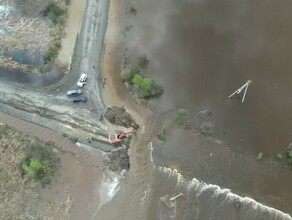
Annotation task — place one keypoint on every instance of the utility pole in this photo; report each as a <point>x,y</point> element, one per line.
<point>175,197</point>
<point>244,87</point>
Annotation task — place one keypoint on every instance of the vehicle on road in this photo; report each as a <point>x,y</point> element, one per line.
<point>82,80</point>
<point>74,92</point>
<point>120,135</point>
<point>79,99</point>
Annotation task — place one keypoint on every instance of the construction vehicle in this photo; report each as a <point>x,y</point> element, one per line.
<point>120,135</point>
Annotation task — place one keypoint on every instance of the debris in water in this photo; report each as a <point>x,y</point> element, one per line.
<point>237,204</point>
<point>260,156</point>
<point>237,92</point>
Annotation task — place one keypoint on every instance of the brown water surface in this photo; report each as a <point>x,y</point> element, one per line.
<point>204,50</point>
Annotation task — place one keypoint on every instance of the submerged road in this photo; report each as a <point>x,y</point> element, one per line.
<point>49,106</point>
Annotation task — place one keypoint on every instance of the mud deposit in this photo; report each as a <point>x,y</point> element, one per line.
<point>119,116</point>
<point>117,160</point>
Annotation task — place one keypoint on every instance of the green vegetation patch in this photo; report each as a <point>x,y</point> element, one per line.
<point>204,130</point>
<point>52,52</point>
<point>146,87</point>
<point>54,12</point>
<point>279,156</point>
<point>57,15</point>
<point>142,87</point>
<point>39,162</point>
<point>129,73</point>
<point>289,156</point>
<point>183,118</point>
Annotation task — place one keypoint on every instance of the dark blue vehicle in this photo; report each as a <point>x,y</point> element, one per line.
<point>79,99</point>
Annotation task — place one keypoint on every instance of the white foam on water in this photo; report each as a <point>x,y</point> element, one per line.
<point>150,147</point>
<point>109,186</point>
<point>113,188</point>
<point>145,195</point>
<point>248,204</point>
<point>180,179</point>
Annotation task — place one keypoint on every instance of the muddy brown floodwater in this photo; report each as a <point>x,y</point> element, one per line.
<point>202,51</point>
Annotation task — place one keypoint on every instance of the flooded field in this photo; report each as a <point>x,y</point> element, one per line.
<point>162,193</point>
<point>202,51</point>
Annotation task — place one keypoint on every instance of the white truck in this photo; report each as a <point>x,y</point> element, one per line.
<point>82,80</point>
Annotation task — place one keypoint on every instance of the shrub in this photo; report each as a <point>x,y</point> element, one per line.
<point>157,89</point>
<point>54,12</point>
<point>138,80</point>
<point>279,156</point>
<point>133,8</point>
<point>182,118</point>
<point>204,130</point>
<point>35,169</point>
<point>289,157</point>
<point>126,74</point>
<point>129,72</point>
<point>143,61</point>
<point>65,135</point>
<point>52,52</point>
<point>146,85</point>
<point>39,162</point>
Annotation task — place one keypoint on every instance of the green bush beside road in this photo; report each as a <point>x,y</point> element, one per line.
<point>39,162</point>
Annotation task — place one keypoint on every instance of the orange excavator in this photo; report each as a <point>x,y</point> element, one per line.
<point>120,135</point>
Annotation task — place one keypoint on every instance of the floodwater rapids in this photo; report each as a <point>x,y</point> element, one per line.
<point>145,193</point>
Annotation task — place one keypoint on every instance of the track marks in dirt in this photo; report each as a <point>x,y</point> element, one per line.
<point>46,135</point>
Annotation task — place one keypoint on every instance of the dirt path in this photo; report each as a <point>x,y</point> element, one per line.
<point>114,91</point>
<point>46,135</point>
<point>73,28</point>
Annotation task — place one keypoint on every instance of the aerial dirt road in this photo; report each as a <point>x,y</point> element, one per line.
<point>49,106</point>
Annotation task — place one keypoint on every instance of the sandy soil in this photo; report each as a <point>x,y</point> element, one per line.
<point>73,28</point>
<point>114,92</point>
<point>78,178</point>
